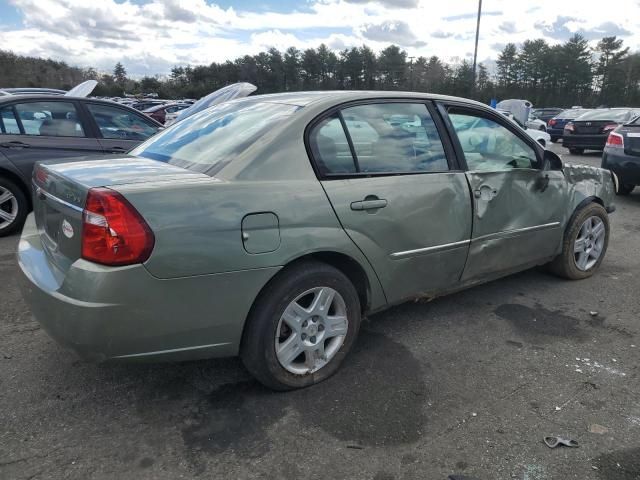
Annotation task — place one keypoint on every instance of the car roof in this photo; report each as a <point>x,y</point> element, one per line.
<point>303,99</point>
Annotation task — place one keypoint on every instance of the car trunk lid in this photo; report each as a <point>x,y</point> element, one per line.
<point>60,192</point>
<point>591,127</point>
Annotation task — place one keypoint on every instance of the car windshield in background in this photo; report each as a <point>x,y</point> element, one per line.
<point>210,139</point>
<point>572,113</point>
<point>613,115</point>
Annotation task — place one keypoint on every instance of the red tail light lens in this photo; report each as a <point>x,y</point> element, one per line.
<point>615,140</point>
<point>552,122</point>
<point>608,128</point>
<point>569,127</point>
<point>113,232</point>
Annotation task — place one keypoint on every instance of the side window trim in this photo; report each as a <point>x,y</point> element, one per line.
<point>448,146</point>
<point>444,107</point>
<point>347,134</point>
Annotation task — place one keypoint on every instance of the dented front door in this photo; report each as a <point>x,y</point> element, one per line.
<point>515,221</point>
<point>518,209</point>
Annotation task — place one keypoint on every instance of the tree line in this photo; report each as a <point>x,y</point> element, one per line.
<point>567,74</point>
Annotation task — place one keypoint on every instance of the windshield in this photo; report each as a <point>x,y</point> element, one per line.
<point>572,113</point>
<point>209,140</point>
<point>613,115</point>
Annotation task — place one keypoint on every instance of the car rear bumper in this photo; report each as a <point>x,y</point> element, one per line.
<point>626,167</point>
<point>555,132</point>
<point>106,313</point>
<point>594,142</point>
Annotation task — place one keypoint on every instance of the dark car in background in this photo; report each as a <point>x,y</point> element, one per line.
<point>47,127</point>
<point>555,126</point>
<point>159,112</point>
<point>545,114</point>
<point>622,155</point>
<point>591,130</point>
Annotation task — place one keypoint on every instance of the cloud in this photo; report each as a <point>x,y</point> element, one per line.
<point>441,34</point>
<point>149,36</point>
<point>392,31</point>
<point>466,16</point>
<point>389,3</point>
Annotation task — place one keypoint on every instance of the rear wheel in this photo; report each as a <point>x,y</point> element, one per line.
<point>625,189</point>
<point>13,207</point>
<point>584,245</point>
<point>301,327</point>
<point>542,128</point>
<point>576,151</point>
<point>555,139</point>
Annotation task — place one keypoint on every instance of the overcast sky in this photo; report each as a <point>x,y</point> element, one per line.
<point>150,36</point>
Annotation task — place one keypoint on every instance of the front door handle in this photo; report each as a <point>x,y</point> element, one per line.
<point>486,193</point>
<point>14,144</point>
<point>370,202</point>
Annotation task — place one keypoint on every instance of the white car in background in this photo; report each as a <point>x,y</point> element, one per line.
<point>540,136</point>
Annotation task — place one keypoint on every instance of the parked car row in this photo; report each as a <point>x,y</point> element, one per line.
<point>590,130</point>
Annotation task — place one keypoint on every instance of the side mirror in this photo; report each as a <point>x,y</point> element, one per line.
<point>551,161</point>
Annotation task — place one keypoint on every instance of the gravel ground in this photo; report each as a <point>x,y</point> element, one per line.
<point>467,384</point>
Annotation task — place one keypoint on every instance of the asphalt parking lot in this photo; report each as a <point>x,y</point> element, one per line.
<point>467,384</point>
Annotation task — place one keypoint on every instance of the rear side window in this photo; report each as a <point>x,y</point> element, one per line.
<point>387,138</point>
<point>119,123</point>
<point>8,123</point>
<point>52,119</point>
<point>330,147</point>
<point>395,138</point>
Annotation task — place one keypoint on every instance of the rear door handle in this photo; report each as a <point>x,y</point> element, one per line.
<point>117,150</point>
<point>369,203</point>
<point>14,144</point>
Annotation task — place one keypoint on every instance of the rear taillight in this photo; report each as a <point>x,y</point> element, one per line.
<point>569,127</point>
<point>609,127</point>
<point>113,232</point>
<point>615,140</point>
<point>552,122</point>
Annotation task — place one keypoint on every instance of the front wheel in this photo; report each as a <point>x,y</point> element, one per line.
<point>301,327</point>
<point>13,207</point>
<point>584,245</point>
<point>542,128</point>
<point>555,139</point>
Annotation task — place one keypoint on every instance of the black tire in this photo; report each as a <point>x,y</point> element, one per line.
<point>542,128</point>
<point>258,351</point>
<point>576,151</point>
<point>23,207</point>
<point>625,189</point>
<point>564,265</point>
<point>555,139</point>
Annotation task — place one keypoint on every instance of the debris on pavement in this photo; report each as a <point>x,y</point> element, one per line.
<point>598,429</point>
<point>553,442</point>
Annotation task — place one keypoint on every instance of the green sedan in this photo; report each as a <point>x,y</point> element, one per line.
<point>267,227</point>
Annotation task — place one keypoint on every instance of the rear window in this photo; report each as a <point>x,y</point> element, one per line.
<point>614,115</point>
<point>210,139</point>
<point>572,113</point>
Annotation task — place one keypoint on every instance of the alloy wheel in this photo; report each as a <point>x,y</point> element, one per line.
<point>8,208</point>
<point>311,330</point>
<point>589,243</point>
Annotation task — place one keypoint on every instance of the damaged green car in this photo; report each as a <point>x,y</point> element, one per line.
<point>267,227</point>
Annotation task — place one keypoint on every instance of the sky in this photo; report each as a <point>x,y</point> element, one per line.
<point>151,36</point>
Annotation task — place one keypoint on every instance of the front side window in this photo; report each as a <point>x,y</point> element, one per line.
<point>119,123</point>
<point>52,119</point>
<point>488,145</point>
<point>8,123</point>
<point>394,138</point>
<point>208,140</point>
